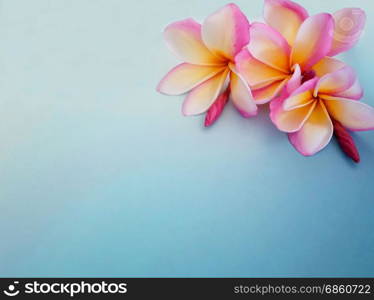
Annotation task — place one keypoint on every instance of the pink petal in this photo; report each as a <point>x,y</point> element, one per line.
<point>336,82</point>
<point>268,46</point>
<point>353,115</point>
<point>256,73</point>
<point>202,97</point>
<point>327,65</point>
<point>285,16</point>
<point>349,25</point>
<point>298,100</point>
<point>306,86</point>
<point>277,104</point>
<point>293,120</point>
<point>269,92</point>
<point>226,31</point>
<point>241,96</point>
<point>292,84</point>
<point>313,41</point>
<point>185,77</point>
<point>295,80</point>
<point>216,109</point>
<point>184,39</point>
<point>315,134</point>
<point>355,92</point>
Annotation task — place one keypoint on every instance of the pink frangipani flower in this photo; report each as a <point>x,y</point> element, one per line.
<point>208,70</point>
<point>292,43</point>
<point>309,113</point>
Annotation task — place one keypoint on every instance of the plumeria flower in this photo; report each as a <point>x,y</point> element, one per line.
<point>292,43</point>
<point>310,113</point>
<point>208,72</point>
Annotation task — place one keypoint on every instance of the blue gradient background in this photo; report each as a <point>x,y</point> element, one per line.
<point>102,176</point>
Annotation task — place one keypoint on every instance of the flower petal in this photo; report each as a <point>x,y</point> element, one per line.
<point>184,39</point>
<point>226,31</point>
<point>353,115</point>
<point>355,92</point>
<point>327,65</point>
<point>298,100</point>
<point>293,120</point>
<point>315,134</point>
<point>241,96</point>
<point>306,86</point>
<point>269,92</point>
<point>256,73</point>
<point>185,77</point>
<point>349,24</point>
<point>299,94</point>
<point>313,41</point>
<point>268,46</point>
<point>285,16</point>
<point>336,82</point>
<point>202,97</point>
<point>295,80</point>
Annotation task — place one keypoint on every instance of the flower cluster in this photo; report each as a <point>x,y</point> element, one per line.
<point>286,61</point>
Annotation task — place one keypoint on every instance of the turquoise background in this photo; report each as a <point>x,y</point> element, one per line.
<point>102,176</point>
